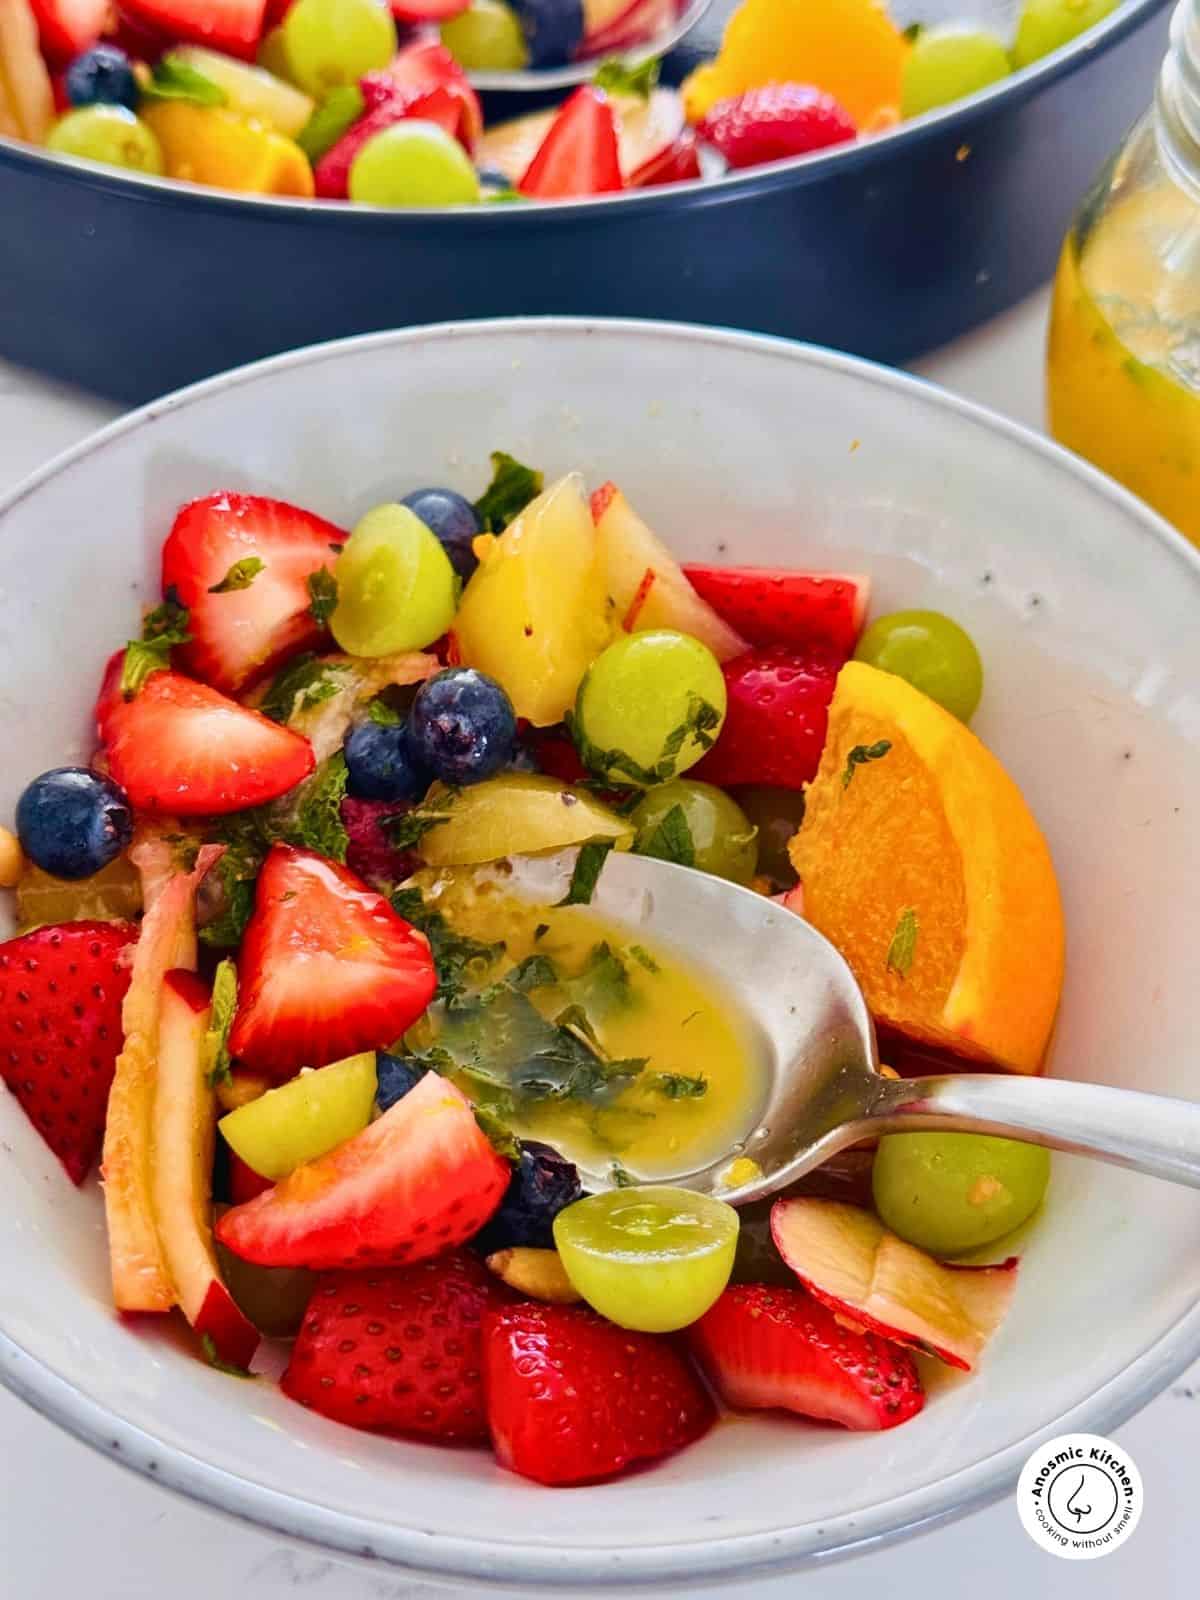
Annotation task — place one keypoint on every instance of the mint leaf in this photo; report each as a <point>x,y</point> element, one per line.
<point>512,487</point>
<point>535,972</point>
<point>500,1136</point>
<point>240,575</point>
<point>340,109</point>
<point>671,840</point>
<point>904,944</point>
<point>619,1177</point>
<point>304,682</point>
<point>702,723</point>
<point>216,1039</point>
<point>588,865</point>
<point>317,819</point>
<point>644,959</point>
<point>173,79</point>
<point>860,755</point>
<point>406,829</point>
<point>455,956</point>
<point>385,715</point>
<point>162,628</point>
<point>235,875</point>
<point>679,1086</point>
<point>323,595</point>
<point>615,76</point>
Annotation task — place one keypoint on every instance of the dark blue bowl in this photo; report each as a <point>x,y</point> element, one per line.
<point>133,286</point>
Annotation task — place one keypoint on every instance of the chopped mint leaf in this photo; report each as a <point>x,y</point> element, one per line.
<point>503,197</point>
<point>173,79</point>
<point>701,724</point>
<point>575,1020</point>
<point>679,1086</point>
<point>216,1039</point>
<point>860,755</point>
<point>643,957</point>
<point>406,829</point>
<point>913,32</point>
<point>619,1177</point>
<point>512,487</point>
<point>602,985</point>
<point>214,1360</point>
<point>455,956</point>
<point>671,840</point>
<point>385,715</point>
<point>240,575</point>
<point>323,595</point>
<point>501,1137</point>
<point>616,76</point>
<point>235,874</point>
<point>586,875</point>
<point>304,682</point>
<point>317,818</point>
<point>535,972</point>
<point>162,628</point>
<point>904,944</point>
<point>338,111</point>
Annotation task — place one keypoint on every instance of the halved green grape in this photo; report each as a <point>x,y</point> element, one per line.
<point>114,894</point>
<point>303,1119</point>
<point>328,42</point>
<point>273,56</point>
<point>777,814</point>
<point>948,62</point>
<point>514,814</point>
<point>696,825</point>
<point>929,651</point>
<point>953,1192</point>
<point>649,707</point>
<point>108,134</point>
<point>396,587</point>
<point>486,37</point>
<point>1046,25</point>
<point>648,1257</point>
<point>413,163</point>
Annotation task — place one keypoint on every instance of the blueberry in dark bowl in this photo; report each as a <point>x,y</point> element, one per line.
<point>462,726</point>
<point>552,28</point>
<point>102,76</point>
<point>380,763</point>
<point>451,518</point>
<point>394,1077</point>
<point>72,821</point>
<point>543,1184</point>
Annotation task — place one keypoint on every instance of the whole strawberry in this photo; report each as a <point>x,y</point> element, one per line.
<point>774,122</point>
<point>61,990</point>
<point>776,717</point>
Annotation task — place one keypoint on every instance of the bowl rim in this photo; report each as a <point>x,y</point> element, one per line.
<point>959,117</point>
<point>763,1553</point>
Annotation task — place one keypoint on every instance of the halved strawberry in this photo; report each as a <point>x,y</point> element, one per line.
<point>415,11</point>
<point>427,64</point>
<point>678,163</point>
<point>68,26</point>
<point>399,1350</point>
<point>776,718</point>
<point>769,606</point>
<point>579,155</point>
<point>420,1180</point>
<point>326,968</point>
<point>572,1398</point>
<point>244,1183</point>
<point>234,26</point>
<point>243,634</point>
<point>768,1348</point>
<point>180,748</point>
<point>437,105</point>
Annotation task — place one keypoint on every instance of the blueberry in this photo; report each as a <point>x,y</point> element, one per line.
<point>102,76</point>
<point>380,764</point>
<point>394,1078</point>
<point>542,1184</point>
<point>552,29</point>
<point>72,822</point>
<point>462,726</point>
<point>452,520</point>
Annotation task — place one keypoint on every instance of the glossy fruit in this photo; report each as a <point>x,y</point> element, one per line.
<point>425,65</point>
<point>676,163</point>
<point>542,1184</point>
<point>571,1399</point>
<point>396,587</point>
<point>768,606</point>
<point>250,90</point>
<point>102,75</point>
<point>1046,25</point>
<point>369,851</point>
<point>413,163</point>
<point>948,62</point>
<point>722,839</point>
<point>397,1351</point>
<point>774,122</point>
<point>486,37</point>
<point>846,1258</point>
<point>326,968</point>
<point>72,822</point>
<point>61,991</point>
<point>778,1349</point>
<point>331,42</point>
<point>579,155</point>
<point>614,26</point>
<point>244,1183</point>
<point>182,749</point>
<point>462,727</point>
<point>649,1257</point>
<point>929,651</point>
<point>27,100</point>
<point>67,27</point>
<point>219,148</point>
<point>534,615</point>
<point>953,1192</point>
<point>451,518</point>
<point>652,703</point>
<point>113,895</point>
<point>516,814</point>
<point>647,129</point>
<point>109,134</point>
<point>241,563</point>
<point>417,12</point>
<point>419,1180</point>
<point>928,872</point>
<point>389,105</point>
<point>776,813</point>
<point>536,1274</point>
<point>552,29</point>
<point>303,1119</point>
<point>778,708</point>
<point>337,113</point>
<point>394,1078</point>
<point>231,25</point>
<point>381,763</point>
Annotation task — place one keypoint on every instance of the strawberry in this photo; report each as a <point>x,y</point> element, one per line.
<point>768,606</point>
<point>572,1398</point>
<point>243,634</point>
<point>244,1183</point>
<point>767,1348</point>
<point>419,1180</point>
<point>326,968</point>
<point>234,26</point>
<point>180,748</point>
<point>579,155</point>
<point>677,163</point>
<point>416,11</point>
<point>437,104</point>
<point>61,991</point>
<point>370,853</point>
<point>399,1350</point>
<point>774,122</point>
<point>423,65</point>
<point>67,27</point>
<point>776,718</point>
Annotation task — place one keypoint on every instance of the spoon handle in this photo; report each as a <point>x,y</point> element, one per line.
<point>1148,1132</point>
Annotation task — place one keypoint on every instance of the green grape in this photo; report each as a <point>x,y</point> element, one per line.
<point>777,814</point>
<point>640,700</point>
<point>303,1119</point>
<point>331,42</point>
<point>953,1192</point>
<point>396,587</point>
<point>273,57</point>
<point>413,163</point>
<point>340,110</point>
<point>715,832</point>
<point>486,37</point>
<point>109,134</point>
<point>949,62</point>
<point>648,1257</point>
<point>929,651</point>
<point>1046,25</point>
<point>274,1298</point>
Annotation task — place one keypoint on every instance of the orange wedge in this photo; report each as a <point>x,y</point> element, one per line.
<point>922,863</point>
<point>212,145</point>
<point>26,96</point>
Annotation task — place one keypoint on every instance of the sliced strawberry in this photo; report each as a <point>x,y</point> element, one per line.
<point>439,105</point>
<point>415,11</point>
<point>774,122</point>
<point>427,64</point>
<point>397,1350</point>
<point>420,1180</point>
<point>678,163</point>
<point>769,606</point>
<point>139,39</point>
<point>244,1183</point>
<point>61,991</point>
<point>767,1348</point>
<point>109,697</point>
<point>326,968</point>
<point>573,1399</point>
<point>180,748</point>
<point>243,634</point>
<point>579,155</point>
<point>234,26</point>
<point>776,718</point>
<point>67,27</point>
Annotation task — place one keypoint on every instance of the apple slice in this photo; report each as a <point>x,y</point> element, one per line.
<point>872,1280</point>
<point>646,128</point>
<point>184,1128</point>
<point>647,584</point>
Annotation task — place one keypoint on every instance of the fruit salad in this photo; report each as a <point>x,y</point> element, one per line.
<point>371,101</point>
<point>358,1086</point>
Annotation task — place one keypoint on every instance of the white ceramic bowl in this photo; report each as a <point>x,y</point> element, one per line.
<point>1085,608</point>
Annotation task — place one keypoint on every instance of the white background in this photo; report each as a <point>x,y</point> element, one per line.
<point>73,1524</point>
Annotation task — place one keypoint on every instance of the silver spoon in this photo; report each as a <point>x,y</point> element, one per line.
<point>824,1090</point>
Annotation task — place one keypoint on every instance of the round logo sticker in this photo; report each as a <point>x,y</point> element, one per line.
<point>1079,1496</point>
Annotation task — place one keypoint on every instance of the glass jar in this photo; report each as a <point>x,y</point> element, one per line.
<point>1123,368</point>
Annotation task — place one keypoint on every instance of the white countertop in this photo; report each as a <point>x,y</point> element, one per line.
<point>72,1523</point>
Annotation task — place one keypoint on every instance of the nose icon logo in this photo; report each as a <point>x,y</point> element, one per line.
<point>1077,1510</point>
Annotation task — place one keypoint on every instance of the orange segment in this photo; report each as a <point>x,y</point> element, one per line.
<point>217,147</point>
<point>930,875</point>
<point>850,48</point>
